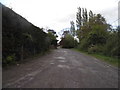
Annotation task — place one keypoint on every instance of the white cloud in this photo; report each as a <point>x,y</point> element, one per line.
<point>57,14</point>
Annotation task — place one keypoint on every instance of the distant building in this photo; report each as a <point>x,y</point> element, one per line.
<point>119,13</point>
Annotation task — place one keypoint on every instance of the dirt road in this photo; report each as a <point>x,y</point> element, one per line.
<point>62,68</point>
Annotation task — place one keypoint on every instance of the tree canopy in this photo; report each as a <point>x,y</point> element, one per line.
<point>20,38</point>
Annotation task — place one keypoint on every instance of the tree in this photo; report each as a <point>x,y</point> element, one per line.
<point>82,23</point>
<point>85,16</point>
<point>68,41</point>
<point>52,35</point>
<point>94,32</point>
<point>72,28</point>
<point>96,36</point>
<point>21,39</point>
<point>112,46</point>
<point>90,16</point>
<point>65,33</point>
<point>78,18</point>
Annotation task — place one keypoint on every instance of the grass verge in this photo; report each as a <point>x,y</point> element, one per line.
<point>111,60</point>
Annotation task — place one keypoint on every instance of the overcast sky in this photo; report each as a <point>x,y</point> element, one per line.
<point>57,14</point>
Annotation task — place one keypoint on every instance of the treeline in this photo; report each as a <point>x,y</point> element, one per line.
<point>20,38</point>
<point>67,39</point>
<point>95,35</point>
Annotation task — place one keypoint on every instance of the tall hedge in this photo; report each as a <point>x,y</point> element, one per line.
<point>20,38</point>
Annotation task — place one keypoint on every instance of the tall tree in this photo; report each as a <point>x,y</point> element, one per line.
<point>72,28</point>
<point>83,16</point>
<point>52,35</point>
<point>86,15</point>
<point>90,15</point>
<point>78,18</point>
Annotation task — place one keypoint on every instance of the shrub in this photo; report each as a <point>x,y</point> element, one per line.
<point>9,59</point>
<point>83,45</point>
<point>96,49</point>
<point>69,42</point>
<point>112,47</point>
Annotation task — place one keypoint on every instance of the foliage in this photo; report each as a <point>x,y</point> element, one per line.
<point>112,46</point>
<point>96,49</point>
<point>111,60</point>
<point>79,18</point>
<point>68,41</point>
<point>94,36</point>
<point>53,40</point>
<point>9,59</point>
<point>20,38</point>
<point>83,45</point>
<point>72,29</point>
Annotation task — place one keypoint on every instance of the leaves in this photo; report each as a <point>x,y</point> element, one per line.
<point>68,41</point>
<point>96,36</point>
<point>21,38</point>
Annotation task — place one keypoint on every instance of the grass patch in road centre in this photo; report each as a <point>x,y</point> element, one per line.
<point>111,60</point>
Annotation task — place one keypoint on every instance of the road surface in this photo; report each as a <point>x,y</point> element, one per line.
<point>62,68</point>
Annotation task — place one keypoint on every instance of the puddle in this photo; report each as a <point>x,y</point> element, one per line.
<point>63,66</point>
<point>65,51</point>
<point>58,51</point>
<point>82,70</point>
<point>62,61</point>
<point>59,57</point>
<point>52,63</point>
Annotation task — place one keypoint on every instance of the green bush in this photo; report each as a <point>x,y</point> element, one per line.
<point>9,59</point>
<point>96,49</point>
<point>69,42</point>
<point>75,43</point>
<point>112,47</point>
<point>83,45</point>
<point>21,37</point>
